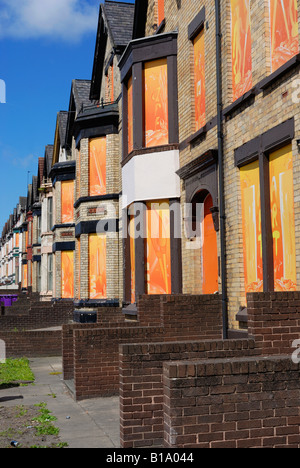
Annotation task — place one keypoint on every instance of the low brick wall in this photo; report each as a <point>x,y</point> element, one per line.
<point>39,315</point>
<point>274,321</point>
<point>141,383</point>
<point>96,358</point>
<point>91,353</point>
<point>242,403</point>
<point>32,343</point>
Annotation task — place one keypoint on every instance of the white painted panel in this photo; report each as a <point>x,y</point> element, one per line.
<point>151,177</point>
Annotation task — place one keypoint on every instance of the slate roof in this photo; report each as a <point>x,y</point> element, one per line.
<point>62,125</point>
<point>81,93</point>
<point>48,160</point>
<point>119,18</point>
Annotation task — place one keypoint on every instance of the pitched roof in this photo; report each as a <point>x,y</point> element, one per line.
<point>41,169</point>
<point>81,93</point>
<point>62,125</point>
<point>115,22</point>
<point>48,160</point>
<point>119,16</point>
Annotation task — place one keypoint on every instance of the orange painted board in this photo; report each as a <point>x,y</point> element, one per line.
<point>251,216</point>
<point>97,266</point>
<point>67,275</point>
<point>284,31</point>
<point>161,11</point>
<point>241,47</point>
<point>132,257</point>
<point>67,201</point>
<point>97,166</point>
<point>158,248</point>
<point>199,70</point>
<point>210,273</point>
<point>283,219</point>
<point>130,116</point>
<point>156,103</point>
<point>25,276</point>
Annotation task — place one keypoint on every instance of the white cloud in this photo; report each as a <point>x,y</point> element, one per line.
<point>66,20</point>
<point>25,162</point>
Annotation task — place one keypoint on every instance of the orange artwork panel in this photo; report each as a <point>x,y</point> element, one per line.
<point>156,103</point>
<point>158,253</point>
<point>130,116</point>
<point>241,47</point>
<point>284,31</point>
<point>251,216</point>
<point>282,217</point>
<point>209,251</point>
<point>199,67</point>
<point>67,201</point>
<point>67,275</point>
<point>97,166</point>
<point>25,276</point>
<point>97,266</point>
<point>132,257</point>
<point>161,11</point>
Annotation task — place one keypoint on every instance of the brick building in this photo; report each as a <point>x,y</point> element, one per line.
<point>218,70</point>
<point>62,175</point>
<point>174,176</point>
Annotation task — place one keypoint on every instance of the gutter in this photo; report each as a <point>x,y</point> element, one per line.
<point>221,169</point>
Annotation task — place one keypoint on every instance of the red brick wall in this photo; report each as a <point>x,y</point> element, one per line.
<point>141,383</point>
<point>32,343</point>
<point>39,315</point>
<point>96,357</point>
<point>237,403</point>
<point>274,321</point>
<point>95,348</point>
<point>183,316</point>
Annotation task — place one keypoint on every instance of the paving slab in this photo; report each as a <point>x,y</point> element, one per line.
<point>91,423</point>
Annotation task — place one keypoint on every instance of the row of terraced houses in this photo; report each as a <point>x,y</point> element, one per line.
<point>166,211</point>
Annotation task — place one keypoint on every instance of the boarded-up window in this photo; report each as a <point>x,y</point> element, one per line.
<point>284,31</point>
<point>241,47</point>
<point>97,166</point>
<point>67,275</point>
<point>199,70</point>
<point>156,103</point>
<point>97,266</point>
<point>132,257</point>
<point>161,10</point>
<point>209,250</point>
<point>67,201</point>
<point>158,249</point>
<point>25,276</point>
<point>282,217</point>
<point>251,215</point>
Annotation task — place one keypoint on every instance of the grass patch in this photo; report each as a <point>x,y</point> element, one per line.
<point>15,370</point>
<point>45,419</point>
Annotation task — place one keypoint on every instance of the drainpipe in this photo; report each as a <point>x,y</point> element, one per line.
<point>221,170</point>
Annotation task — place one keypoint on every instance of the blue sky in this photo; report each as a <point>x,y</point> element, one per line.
<point>44,44</point>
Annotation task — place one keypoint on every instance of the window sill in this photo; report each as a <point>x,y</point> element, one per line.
<point>265,83</point>
<point>239,102</point>
<point>161,27</point>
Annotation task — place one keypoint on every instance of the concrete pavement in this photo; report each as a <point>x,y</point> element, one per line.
<point>85,424</point>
